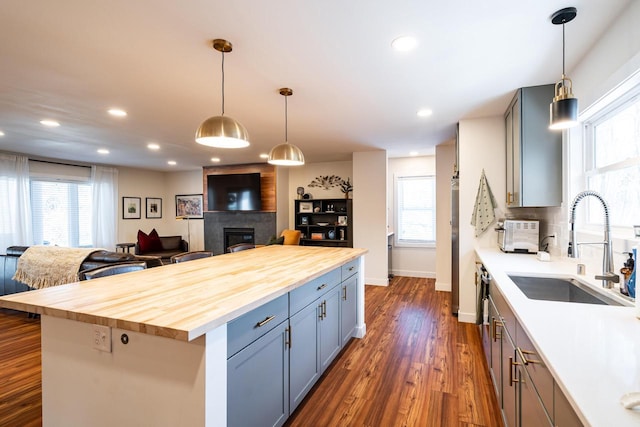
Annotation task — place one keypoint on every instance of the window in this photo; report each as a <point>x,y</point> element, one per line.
<point>415,211</point>
<point>612,160</point>
<point>61,213</point>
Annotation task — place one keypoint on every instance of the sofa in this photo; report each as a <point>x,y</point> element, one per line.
<point>168,247</point>
<point>9,264</point>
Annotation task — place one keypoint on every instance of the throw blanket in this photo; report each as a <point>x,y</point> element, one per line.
<point>44,266</point>
<point>483,214</point>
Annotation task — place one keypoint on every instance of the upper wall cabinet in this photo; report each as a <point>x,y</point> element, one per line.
<point>534,152</point>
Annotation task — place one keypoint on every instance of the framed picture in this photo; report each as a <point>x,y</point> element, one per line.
<point>131,207</point>
<point>189,205</point>
<point>342,220</point>
<point>317,236</point>
<point>304,220</point>
<point>154,207</point>
<point>306,206</point>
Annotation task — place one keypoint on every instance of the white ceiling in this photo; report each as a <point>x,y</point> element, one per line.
<point>71,60</point>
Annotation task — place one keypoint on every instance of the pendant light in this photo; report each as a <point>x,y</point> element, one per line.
<point>286,154</point>
<point>222,131</point>
<point>563,111</point>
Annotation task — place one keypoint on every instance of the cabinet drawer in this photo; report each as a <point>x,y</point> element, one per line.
<point>538,371</point>
<point>252,325</point>
<point>306,294</point>
<point>350,268</point>
<point>504,311</point>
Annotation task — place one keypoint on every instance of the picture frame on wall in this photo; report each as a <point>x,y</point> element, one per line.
<point>189,206</point>
<point>153,207</point>
<point>131,207</point>
<point>304,220</point>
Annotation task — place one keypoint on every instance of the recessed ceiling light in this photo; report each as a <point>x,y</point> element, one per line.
<point>425,112</point>
<point>172,162</point>
<point>1,133</point>
<point>404,43</point>
<point>117,112</point>
<point>215,159</point>
<point>413,153</point>
<point>264,156</point>
<point>153,146</point>
<point>49,123</point>
<point>103,151</point>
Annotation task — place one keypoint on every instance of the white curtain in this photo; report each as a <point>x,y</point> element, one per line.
<point>105,206</point>
<point>15,199</point>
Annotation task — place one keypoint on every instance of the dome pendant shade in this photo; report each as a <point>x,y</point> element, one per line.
<point>286,155</point>
<point>222,132</point>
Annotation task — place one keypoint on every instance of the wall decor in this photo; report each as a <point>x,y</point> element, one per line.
<point>326,182</point>
<point>306,207</point>
<point>131,207</point>
<point>189,205</point>
<point>154,207</point>
<point>342,220</point>
<point>346,187</point>
<point>304,220</point>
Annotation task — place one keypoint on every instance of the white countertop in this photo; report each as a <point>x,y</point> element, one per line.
<point>593,351</point>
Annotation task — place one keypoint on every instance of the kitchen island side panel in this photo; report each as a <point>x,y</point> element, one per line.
<point>150,381</point>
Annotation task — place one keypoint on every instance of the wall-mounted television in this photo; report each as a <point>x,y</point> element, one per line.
<point>234,192</point>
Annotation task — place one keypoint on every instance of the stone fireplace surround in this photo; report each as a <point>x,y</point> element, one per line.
<point>263,223</point>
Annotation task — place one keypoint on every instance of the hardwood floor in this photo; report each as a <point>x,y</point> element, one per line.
<point>20,379</point>
<point>416,367</point>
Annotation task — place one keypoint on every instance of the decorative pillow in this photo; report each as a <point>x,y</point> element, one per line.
<point>275,240</point>
<point>149,242</point>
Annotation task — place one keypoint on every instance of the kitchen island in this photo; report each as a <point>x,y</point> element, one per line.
<point>164,334</point>
<point>592,351</point>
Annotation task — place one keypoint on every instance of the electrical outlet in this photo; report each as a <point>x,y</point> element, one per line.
<point>101,336</point>
<point>555,233</point>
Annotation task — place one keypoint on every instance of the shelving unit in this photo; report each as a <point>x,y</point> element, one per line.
<point>325,222</point>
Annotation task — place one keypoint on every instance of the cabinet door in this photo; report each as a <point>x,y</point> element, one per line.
<point>348,309</point>
<point>258,375</point>
<point>330,331</point>
<point>496,350</point>
<point>532,412</point>
<point>509,381</point>
<point>564,415</point>
<point>304,365</point>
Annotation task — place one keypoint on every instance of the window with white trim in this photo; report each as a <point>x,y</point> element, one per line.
<point>612,160</point>
<point>415,210</point>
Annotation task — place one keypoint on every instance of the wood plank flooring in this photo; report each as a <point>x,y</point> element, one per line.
<point>416,367</point>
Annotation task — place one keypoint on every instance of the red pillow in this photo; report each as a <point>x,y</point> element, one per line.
<point>150,242</point>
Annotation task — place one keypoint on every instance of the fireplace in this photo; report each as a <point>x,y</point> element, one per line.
<point>263,225</point>
<point>234,236</point>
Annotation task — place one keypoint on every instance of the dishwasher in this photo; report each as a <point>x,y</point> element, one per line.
<point>483,280</point>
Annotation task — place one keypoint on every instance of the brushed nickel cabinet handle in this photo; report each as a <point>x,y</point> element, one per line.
<point>265,321</point>
<point>344,293</point>
<point>287,340</point>
<point>324,309</point>
<point>351,268</point>
<point>320,316</point>
<point>324,285</point>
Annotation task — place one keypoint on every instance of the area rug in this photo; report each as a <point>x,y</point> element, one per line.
<point>44,266</point>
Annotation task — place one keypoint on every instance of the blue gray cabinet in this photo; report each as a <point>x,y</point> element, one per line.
<point>534,152</point>
<point>348,309</point>
<point>258,381</point>
<point>329,328</point>
<point>304,363</point>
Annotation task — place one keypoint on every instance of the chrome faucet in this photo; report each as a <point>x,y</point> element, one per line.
<point>608,276</point>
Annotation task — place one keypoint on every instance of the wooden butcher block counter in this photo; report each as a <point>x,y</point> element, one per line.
<point>185,300</point>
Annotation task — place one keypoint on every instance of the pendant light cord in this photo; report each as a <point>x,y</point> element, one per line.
<point>223,82</point>
<point>563,49</point>
<point>286,121</point>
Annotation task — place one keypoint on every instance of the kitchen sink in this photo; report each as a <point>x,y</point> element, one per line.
<point>560,289</point>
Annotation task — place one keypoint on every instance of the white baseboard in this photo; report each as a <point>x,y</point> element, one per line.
<point>466,317</point>
<point>361,331</point>
<point>377,281</point>
<point>413,273</point>
<point>442,286</point>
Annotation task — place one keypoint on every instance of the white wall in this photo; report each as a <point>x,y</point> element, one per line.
<point>410,262</point>
<point>445,159</point>
<point>482,146</point>
<point>370,213</point>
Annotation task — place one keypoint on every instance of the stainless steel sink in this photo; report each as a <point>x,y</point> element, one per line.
<point>560,289</point>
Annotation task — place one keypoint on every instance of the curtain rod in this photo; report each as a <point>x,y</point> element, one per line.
<point>59,163</point>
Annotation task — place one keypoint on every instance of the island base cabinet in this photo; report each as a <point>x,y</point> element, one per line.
<point>258,382</point>
<point>348,310</point>
<point>329,328</point>
<point>304,365</point>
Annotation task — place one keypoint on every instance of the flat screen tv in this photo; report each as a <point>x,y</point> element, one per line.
<point>234,192</point>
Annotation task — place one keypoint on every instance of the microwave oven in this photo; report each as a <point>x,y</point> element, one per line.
<point>519,236</point>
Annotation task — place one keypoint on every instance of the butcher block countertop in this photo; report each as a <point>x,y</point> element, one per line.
<point>184,301</point>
